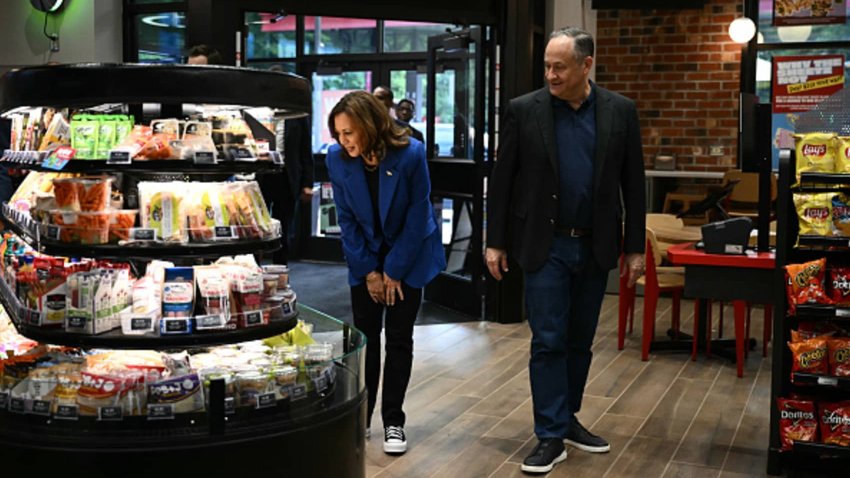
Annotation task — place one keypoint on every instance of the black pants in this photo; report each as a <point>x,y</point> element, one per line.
<point>369,318</point>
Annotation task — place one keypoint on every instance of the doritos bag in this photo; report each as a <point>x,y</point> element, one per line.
<point>835,423</point>
<point>839,281</point>
<point>797,421</point>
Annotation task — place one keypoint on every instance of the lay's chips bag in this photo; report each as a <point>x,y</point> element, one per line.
<point>815,153</point>
<point>815,213</point>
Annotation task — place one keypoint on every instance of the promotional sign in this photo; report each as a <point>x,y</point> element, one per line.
<point>799,84</point>
<point>809,12</point>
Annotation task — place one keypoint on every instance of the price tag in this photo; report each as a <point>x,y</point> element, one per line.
<point>179,325</point>
<point>4,400</point>
<point>205,157</point>
<point>208,322</point>
<point>287,308</point>
<point>829,381</point>
<point>276,157</point>
<point>67,412</point>
<point>76,321</point>
<point>842,312</point>
<point>229,406</point>
<point>224,233</point>
<point>33,317</point>
<point>241,154</point>
<point>141,323</point>
<point>266,400</point>
<point>299,391</point>
<point>52,232</point>
<point>16,405</point>
<point>41,407</point>
<point>286,390</point>
<point>321,383</point>
<point>142,234</point>
<point>161,412</point>
<point>110,414</point>
<point>254,318</point>
<point>119,157</point>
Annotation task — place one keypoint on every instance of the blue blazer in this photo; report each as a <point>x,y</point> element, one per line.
<point>407,218</point>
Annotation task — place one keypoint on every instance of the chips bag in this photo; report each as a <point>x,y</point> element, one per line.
<point>804,284</point>
<point>815,213</point>
<point>797,421</point>
<point>835,423</point>
<point>815,153</point>
<point>810,356</point>
<point>840,215</point>
<point>839,356</point>
<point>842,154</point>
<point>839,281</point>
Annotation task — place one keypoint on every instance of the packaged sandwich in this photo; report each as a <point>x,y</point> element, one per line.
<point>161,208</point>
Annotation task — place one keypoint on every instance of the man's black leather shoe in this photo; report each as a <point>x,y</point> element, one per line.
<point>579,437</point>
<point>547,453</point>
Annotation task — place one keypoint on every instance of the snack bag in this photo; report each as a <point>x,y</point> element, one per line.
<point>841,215</point>
<point>815,213</point>
<point>839,280</point>
<point>105,136</point>
<point>797,422</point>
<point>839,356</point>
<point>842,154</point>
<point>815,153</point>
<point>84,131</point>
<point>810,356</point>
<point>804,284</point>
<point>58,134</point>
<point>835,423</point>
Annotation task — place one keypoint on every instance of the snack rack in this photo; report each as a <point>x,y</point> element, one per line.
<point>316,430</point>
<point>792,248</point>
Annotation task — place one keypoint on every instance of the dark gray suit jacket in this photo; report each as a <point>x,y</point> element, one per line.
<point>522,196</point>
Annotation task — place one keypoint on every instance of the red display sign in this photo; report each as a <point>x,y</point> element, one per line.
<point>802,82</point>
<point>809,12</point>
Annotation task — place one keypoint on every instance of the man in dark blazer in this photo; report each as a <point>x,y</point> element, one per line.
<point>283,191</point>
<point>569,162</point>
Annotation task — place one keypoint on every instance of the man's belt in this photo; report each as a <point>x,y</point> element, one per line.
<point>563,231</point>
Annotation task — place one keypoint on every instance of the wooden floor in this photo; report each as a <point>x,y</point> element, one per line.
<point>470,414</point>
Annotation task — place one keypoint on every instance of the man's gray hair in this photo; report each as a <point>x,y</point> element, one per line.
<point>582,41</point>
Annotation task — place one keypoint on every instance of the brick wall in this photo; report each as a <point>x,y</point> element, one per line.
<point>683,70</point>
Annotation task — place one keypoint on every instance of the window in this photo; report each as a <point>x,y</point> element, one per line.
<point>333,35</point>
<point>161,37</point>
<point>270,36</point>
<point>769,33</point>
<point>402,36</point>
<point>327,91</point>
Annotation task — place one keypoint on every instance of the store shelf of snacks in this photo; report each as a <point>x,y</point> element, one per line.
<point>35,161</point>
<point>816,181</point>
<point>42,237</point>
<point>809,240</point>
<point>810,448</point>
<point>841,383</point>
<point>92,84</point>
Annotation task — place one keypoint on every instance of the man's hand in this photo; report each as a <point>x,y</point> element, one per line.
<point>392,287</point>
<point>375,286</point>
<point>635,267</point>
<point>306,194</point>
<point>497,261</point>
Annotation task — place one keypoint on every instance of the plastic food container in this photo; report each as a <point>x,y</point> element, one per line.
<point>81,227</point>
<point>83,194</point>
<point>120,224</point>
<point>250,385</point>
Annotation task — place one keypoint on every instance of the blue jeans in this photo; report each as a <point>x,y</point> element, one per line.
<point>562,302</point>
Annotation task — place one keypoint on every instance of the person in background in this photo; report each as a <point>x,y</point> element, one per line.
<point>204,55</point>
<point>569,155</point>
<point>391,241</point>
<point>385,96</point>
<point>283,191</point>
<point>404,111</point>
<point>6,186</point>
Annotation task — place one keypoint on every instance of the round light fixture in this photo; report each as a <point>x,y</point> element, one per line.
<point>47,6</point>
<point>794,33</point>
<point>742,30</point>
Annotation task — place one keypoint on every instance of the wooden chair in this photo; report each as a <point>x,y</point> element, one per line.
<point>744,199</point>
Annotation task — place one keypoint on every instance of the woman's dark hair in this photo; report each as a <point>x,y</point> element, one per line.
<point>377,129</point>
<point>213,56</point>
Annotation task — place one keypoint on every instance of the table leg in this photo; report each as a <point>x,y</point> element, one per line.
<point>740,334</point>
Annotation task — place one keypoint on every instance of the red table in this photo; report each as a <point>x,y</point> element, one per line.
<point>739,279</point>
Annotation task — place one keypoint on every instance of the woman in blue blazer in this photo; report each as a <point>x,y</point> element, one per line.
<point>390,239</point>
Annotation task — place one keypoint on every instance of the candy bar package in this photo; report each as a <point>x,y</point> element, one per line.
<point>797,422</point>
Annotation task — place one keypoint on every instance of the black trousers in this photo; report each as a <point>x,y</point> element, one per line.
<point>369,318</point>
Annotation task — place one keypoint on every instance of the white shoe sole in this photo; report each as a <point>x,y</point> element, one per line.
<point>587,448</point>
<point>395,447</point>
<point>545,468</point>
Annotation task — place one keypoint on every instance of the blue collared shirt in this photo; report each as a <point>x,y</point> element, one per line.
<point>575,142</point>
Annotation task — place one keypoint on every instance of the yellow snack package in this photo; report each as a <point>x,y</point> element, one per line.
<point>842,154</point>
<point>815,213</point>
<point>815,153</point>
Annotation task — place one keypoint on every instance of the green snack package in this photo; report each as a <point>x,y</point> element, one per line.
<point>123,127</point>
<point>105,136</point>
<point>84,131</point>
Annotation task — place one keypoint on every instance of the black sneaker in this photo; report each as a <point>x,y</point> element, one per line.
<point>394,440</point>
<point>579,437</point>
<point>547,453</point>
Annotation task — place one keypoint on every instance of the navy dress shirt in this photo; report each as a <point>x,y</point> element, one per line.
<point>575,140</point>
